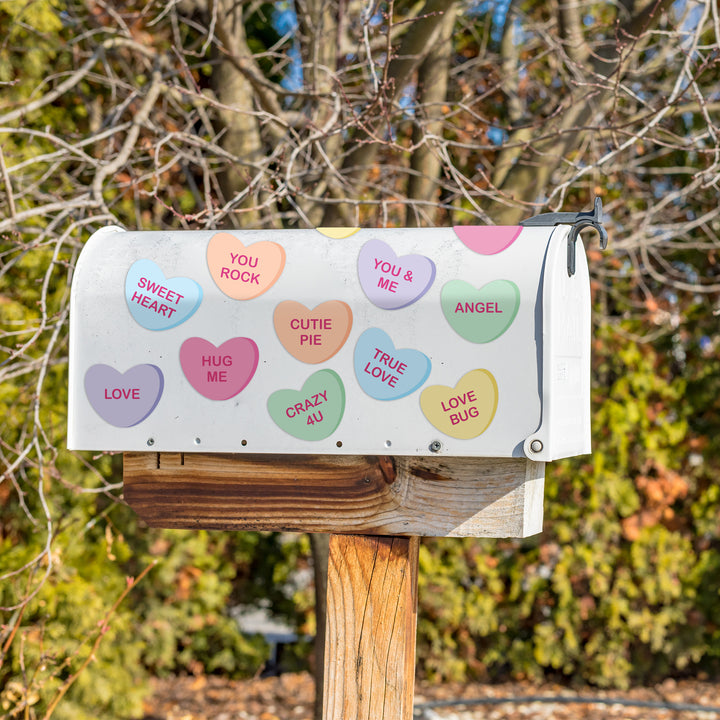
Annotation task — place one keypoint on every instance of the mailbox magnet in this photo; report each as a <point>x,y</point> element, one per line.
<point>465,411</point>
<point>387,373</point>
<point>219,373</point>
<point>157,302</point>
<point>124,399</point>
<point>487,239</point>
<point>483,315</point>
<point>312,336</point>
<point>244,272</point>
<point>312,413</point>
<point>393,282</point>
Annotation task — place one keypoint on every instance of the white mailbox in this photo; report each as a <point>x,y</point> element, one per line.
<point>465,341</point>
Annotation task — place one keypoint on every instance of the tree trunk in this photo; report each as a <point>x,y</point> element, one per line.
<point>318,24</point>
<point>524,170</point>
<point>239,130</point>
<point>364,147</point>
<point>426,163</point>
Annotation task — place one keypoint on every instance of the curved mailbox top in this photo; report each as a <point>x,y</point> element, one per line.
<point>467,341</point>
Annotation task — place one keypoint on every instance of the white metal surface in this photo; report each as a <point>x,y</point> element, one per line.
<point>190,341</point>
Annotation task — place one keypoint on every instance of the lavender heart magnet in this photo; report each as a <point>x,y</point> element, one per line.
<point>393,282</point>
<point>124,399</point>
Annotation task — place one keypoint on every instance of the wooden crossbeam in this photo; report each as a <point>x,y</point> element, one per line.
<point>408,496</point>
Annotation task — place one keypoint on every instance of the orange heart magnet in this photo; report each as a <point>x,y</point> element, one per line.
<point>313,336</point>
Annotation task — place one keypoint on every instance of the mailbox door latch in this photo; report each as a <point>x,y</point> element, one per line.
<point>579,221</point>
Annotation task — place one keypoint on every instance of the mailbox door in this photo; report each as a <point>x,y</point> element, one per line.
<point>564,430</point>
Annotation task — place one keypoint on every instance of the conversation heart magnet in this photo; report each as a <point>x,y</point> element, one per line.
<point>387,373</point>
<point>219,373</point>
<point>313,336</point>
<point>465,411</point>
<point>337,233</point>
<point>483,315</point>
<point>393,282</point>
<point>124,399</point>
<point>244,272</point>
<point>157,302</point>
<point>315,411</point>
<point>487,239</point>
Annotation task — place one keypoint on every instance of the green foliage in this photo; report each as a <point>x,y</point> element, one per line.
<point>58,627</point>
<point>31,28</point>
<point>67,546</point>
<point>175,620</point>
<point>186,626</point>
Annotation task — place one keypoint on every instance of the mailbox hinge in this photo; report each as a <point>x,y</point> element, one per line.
<point>578,221</point>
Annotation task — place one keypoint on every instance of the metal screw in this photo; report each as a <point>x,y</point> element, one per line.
<point>197,441</point>
<point>536,446</point>
<point>435,446</point>
<point>151,442</point>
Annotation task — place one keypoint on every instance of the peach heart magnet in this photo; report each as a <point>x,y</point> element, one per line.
<point>465,411</point>
<point>387,373</point>
<point>241,272</point>
<point>393,282</point>
<point>480,315</point>
<point>315,411</point>
<point>124,399</point>
<point>313,336</point>
<point>487,239</point>
<point>219,373</point>
<point>157,302</point>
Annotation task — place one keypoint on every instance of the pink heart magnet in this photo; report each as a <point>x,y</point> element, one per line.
<point>487,239</point>
<point>393,282</point>
<point>219,373</point>
<point>124,399</point>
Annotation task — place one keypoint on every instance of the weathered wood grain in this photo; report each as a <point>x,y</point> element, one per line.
<point>406,496</point>
<point>371,628</point>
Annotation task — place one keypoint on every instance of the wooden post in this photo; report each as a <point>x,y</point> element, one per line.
<point>371,628</point>
<point>382,505</point>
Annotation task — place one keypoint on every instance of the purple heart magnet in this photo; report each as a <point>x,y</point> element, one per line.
<point>393,282</point>
<point>124,399</point>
